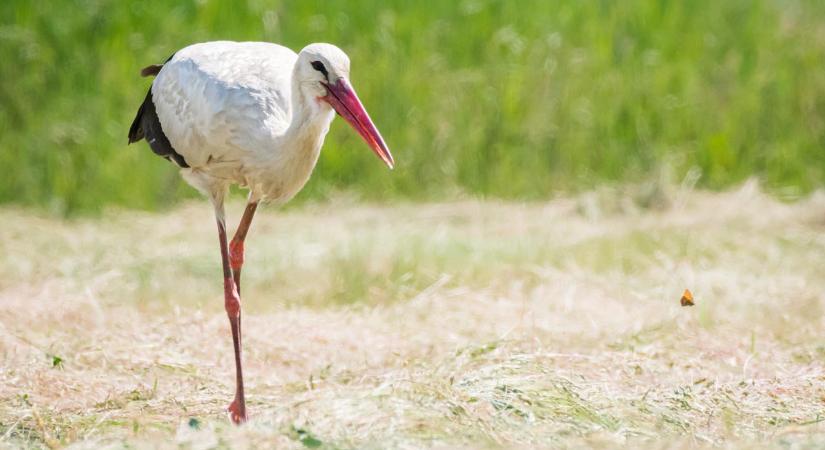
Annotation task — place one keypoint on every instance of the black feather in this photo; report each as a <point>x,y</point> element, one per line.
<point>147,125</point>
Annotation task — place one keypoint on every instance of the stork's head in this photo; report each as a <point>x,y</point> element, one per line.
<point>323,73</point>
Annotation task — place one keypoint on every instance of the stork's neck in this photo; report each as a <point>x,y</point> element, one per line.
<point>310,116</point>
<point>283,172</point>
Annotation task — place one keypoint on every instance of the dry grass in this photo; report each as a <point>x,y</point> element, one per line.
<point>468,324</point>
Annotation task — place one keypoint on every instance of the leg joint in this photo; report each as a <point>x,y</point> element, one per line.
<point>232,301</point>
<point>236,254</point>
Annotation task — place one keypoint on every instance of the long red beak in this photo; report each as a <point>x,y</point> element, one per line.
<point>341,96</point>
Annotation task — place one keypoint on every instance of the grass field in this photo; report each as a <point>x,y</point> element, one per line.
<point>474,324</point>
<point>514,283</point>
<point>495,98</point>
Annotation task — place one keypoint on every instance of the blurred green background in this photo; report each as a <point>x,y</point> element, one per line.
<point>511,99</point>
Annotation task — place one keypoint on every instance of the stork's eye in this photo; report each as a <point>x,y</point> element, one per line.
<point>319,66</point>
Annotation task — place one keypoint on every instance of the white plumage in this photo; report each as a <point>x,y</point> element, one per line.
<point>236,113</point>
<point>253,114</point>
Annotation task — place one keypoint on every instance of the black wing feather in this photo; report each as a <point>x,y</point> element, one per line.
<point>147,125</point>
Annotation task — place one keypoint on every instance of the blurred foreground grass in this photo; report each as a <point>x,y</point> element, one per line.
<point>474,324</point>
<point>498,98</point>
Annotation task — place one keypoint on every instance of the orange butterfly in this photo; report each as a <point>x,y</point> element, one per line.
<point>687,298</point>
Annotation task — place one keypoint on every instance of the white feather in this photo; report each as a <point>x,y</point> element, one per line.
<point>244,112</point>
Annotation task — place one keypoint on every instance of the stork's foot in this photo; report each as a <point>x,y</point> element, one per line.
<point>237,411</point>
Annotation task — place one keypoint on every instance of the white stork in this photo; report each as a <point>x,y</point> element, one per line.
<point>253,114</point>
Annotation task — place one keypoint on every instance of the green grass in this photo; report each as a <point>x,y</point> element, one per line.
<point>492,98</point>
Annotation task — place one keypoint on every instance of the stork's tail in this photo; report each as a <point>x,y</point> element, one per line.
<point>136,130</point>
<point>147,124</point>
<point>150,71</point>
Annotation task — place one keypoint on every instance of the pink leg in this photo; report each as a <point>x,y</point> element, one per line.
<point>236,246</point>
<point>232,303</point>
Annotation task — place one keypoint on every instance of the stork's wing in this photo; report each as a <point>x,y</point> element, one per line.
<point>147,125</point>
<point>217,101</point>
